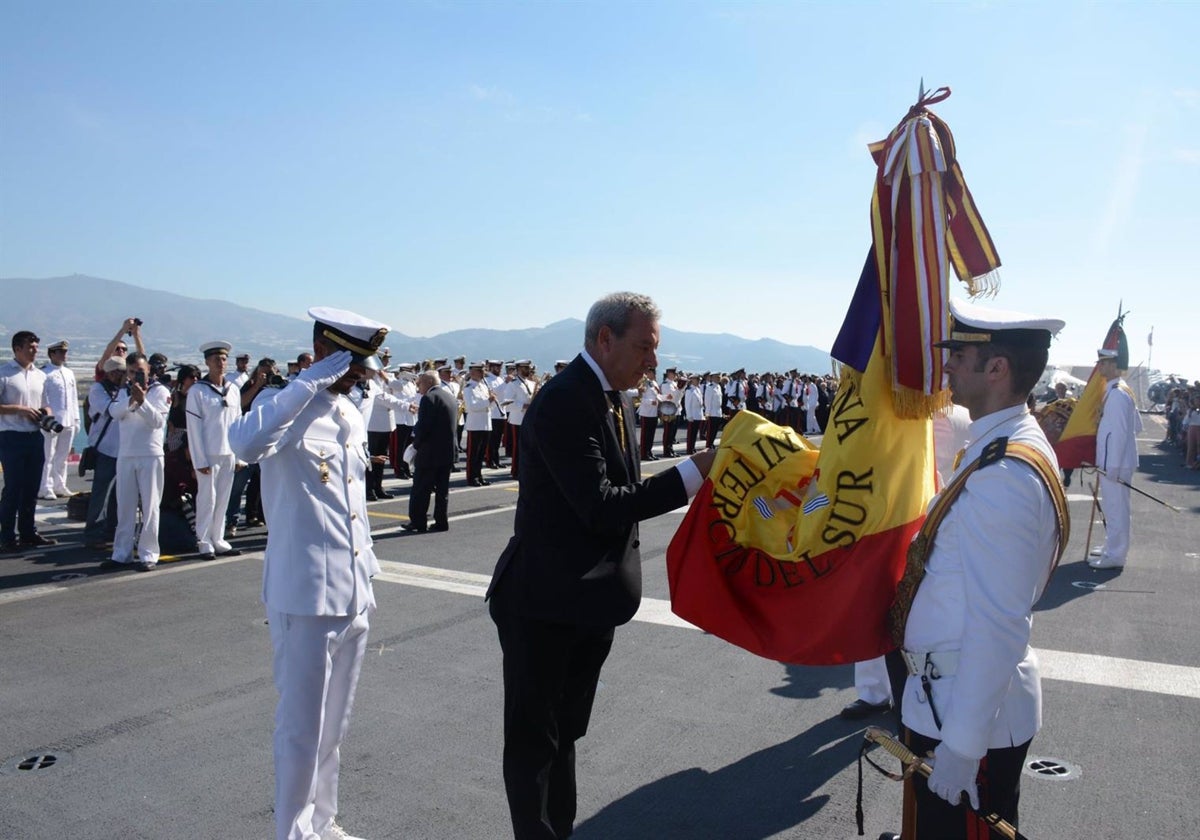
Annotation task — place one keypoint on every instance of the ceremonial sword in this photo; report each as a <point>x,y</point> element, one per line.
<point>914,763</point>
<point>1088,466</point>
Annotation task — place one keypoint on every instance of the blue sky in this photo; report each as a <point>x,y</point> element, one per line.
<point>447,164</point>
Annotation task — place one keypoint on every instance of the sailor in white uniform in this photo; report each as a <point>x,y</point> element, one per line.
<point>62,398</point>
<point>311,444</point>
<point>213,403</point>
<point>973,694</point>
<point>1116,454</point>
<point>518,393</point>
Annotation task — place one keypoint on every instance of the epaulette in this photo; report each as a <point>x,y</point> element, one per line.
<point>993,452</point>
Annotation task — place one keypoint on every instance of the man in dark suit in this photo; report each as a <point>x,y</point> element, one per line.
<point>434,440</point>
<point>571,572</point>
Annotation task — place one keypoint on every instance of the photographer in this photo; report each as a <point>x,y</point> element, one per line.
<point>119,347</point>
<point>22,455</point>
<point>141,411</point>
<point>104,436</point>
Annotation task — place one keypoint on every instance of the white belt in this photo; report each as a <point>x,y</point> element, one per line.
<point>934,664</point>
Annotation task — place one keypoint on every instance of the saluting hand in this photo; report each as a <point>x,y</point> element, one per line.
<point>327,371</point>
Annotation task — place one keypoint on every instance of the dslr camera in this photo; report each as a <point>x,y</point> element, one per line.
<point>137,321</point>
<point>47,423</point>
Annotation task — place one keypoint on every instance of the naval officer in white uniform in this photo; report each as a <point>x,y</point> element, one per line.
<point>311,444</point>
<point>973,695</point>
<point>213,403</point>
<point>1117,455</point>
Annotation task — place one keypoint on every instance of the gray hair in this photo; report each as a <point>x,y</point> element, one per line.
<point>615,311</point>
<point>428,377</point>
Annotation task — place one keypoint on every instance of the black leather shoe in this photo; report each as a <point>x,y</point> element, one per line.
<point>371,496</point>
<point>440,528</point>
<point>233,552</point>
<point>383,494</point>
<point>37,540</point>
<point>888,835</point>
<point>860,709</point>
<point>207,555</point>
<point>413,529</point>
<point>9,548</point>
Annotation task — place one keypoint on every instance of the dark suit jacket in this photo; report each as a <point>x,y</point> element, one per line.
<point>434,433</point>
<point>573,557</point>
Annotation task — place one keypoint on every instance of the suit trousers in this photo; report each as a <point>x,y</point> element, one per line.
<point>377,444</point>
<point>316,664</point>
<point>22,455</point>
<point>936,819</point>
<point>212,499</point>
<point>403,437</point>
<point>649,425</point>
<point>56,449</point>
<point>1117,519</point>
<point>477,443</point>
<point>426,480</point>
<point>550,676</point>
<point>138,476</point>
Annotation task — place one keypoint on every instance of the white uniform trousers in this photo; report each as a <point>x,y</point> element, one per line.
<point>138,476</point>
<point>1115,499</point>
<point>316,665</point>
<point>212,497</point>
<point>871,681</point>
<point>54,473</point>
<point>811,426</point>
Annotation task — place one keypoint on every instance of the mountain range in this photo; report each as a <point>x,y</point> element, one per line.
<point>88,310</point>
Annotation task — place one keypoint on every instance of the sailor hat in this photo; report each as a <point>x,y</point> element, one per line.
<point>525,362</point>
<point>114,363</point>
<point>492,362</point>
<point>474,365</point>
<point>561,363</point>
<point>351,331</point>
<point>241,356</point>
<point>59,345</point>
<point>445,368</point>
<point>406,366</point>
<point>974,324</point>
<point>222,347</point>
<point>460,358</point>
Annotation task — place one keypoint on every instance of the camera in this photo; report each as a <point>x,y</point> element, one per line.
<point>140,378</point>
<point>48,423</point>
<point>138,322</point>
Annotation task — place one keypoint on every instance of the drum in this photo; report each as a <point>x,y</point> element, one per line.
<point>667,410</point>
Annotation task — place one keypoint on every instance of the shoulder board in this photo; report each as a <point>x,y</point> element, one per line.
<point>993,452</point>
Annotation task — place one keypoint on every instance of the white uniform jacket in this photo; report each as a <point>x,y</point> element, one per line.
<point>1116,436</point>
<point>475,398</point>
<point>496,383</point>
<point>693,403</point>
<point>312,451</point>
<point>648,407</point>
<point>712,399</point>
<point>519,392</point>
<point>405,390</point>
<point>384,407</point>
<point>211,411</point>
<point>990,561</point>
<point>62,394</point>
<point>143,426</point>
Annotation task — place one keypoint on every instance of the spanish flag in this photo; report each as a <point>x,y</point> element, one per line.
<point>1076,445</point>
<point>794,553</point>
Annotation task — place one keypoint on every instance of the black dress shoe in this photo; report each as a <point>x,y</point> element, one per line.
<point>233,552</point>
<point>207,555</point>
<point>889,835</point>
<point>37,540</point>
<point>371,496</point>
<point>440,528</point>
<point>9,548</point>
<point>860,709</point>
<point>383,494</point>
<point>413,529</point>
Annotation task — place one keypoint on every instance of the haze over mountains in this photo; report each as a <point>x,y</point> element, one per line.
<point>88,310</point>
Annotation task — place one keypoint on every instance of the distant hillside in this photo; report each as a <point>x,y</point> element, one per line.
<point>88,310</point>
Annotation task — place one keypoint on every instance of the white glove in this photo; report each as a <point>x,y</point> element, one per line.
<point>327,371</point>
<point>953,775</point>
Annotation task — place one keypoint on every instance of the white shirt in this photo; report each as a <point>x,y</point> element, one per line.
<point>312,450</point>
<point>142,426</point>
<point>211,411</point>
<point>20,386</point>
<point>383,407</point>
<point>62,394</point>
<point>237,378</point>
<point>405,391</point>
<point>496,383</point>
<point>712,399</point>
<point>693,402</point>
<point>989,564</point>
